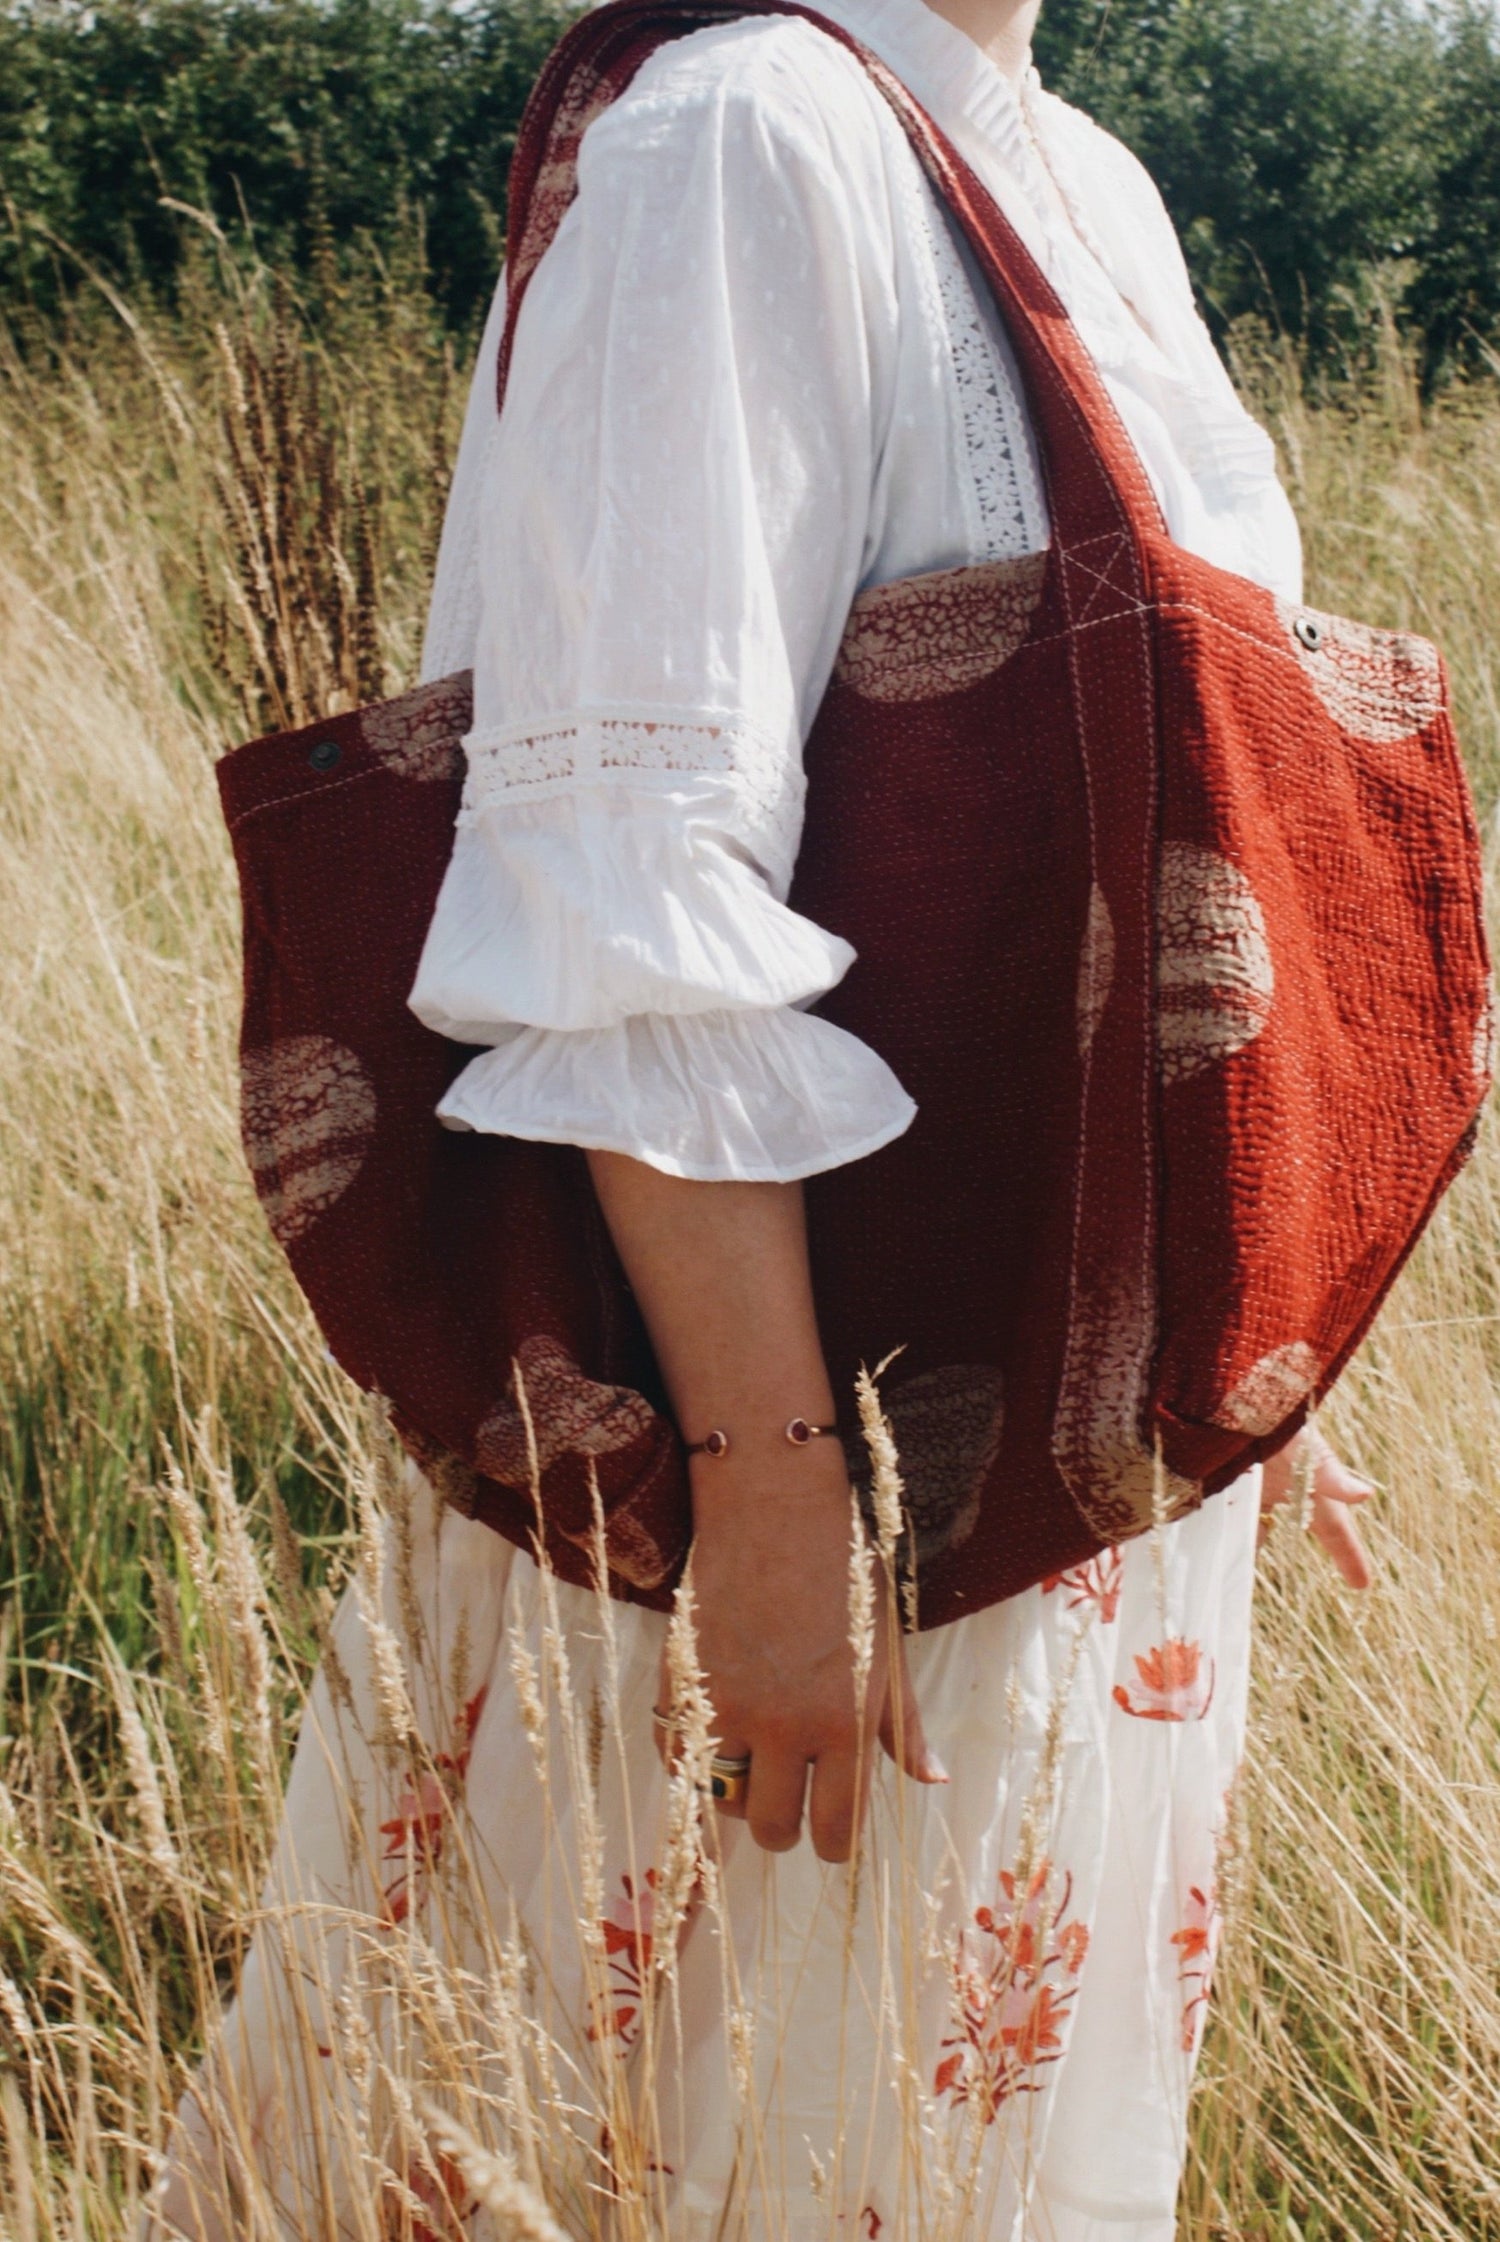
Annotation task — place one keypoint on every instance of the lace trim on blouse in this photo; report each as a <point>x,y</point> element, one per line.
<point>1002,496</point>
<point>615,746</point>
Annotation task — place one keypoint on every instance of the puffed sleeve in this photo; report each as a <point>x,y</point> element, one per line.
<point>672,522</point>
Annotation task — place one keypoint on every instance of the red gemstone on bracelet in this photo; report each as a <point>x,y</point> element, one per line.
<point>799,1432</point>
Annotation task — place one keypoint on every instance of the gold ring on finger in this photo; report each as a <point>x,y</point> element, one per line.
<point>728,1779</point>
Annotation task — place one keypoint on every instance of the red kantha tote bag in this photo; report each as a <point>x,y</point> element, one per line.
<point>1167,900</point>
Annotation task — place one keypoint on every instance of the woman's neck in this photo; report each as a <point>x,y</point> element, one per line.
<point>1002,28</point>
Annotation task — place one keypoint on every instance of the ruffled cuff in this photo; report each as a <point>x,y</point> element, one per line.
<point>581,910</point>
<point>729,1096</point>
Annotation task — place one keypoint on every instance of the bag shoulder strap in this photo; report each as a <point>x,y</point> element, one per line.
<point>1097,487</point>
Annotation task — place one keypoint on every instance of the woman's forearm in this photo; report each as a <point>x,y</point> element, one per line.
<point>721,1276</point>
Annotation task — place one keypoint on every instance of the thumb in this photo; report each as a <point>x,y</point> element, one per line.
<point>1331,1476</point>
<point>1276,1478</point>
<point>901,1729</point>
<point>1335,1482</point>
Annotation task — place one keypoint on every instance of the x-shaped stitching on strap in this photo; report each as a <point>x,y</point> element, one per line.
<point>1101,580</point>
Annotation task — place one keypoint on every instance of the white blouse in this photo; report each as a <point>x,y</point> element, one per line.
<point>755,372</point>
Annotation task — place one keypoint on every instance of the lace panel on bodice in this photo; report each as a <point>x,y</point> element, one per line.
<point>1003,502</point>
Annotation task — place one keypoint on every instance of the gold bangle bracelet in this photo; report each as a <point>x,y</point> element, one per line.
<point>797,1430</point>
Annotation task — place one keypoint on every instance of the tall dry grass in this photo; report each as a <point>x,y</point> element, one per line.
<point>183,1472</point>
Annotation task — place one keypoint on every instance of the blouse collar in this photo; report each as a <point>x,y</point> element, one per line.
<point>1004,129</point>
<point>950,75</point>
<point>1135,312</point>
<point>992,122</point>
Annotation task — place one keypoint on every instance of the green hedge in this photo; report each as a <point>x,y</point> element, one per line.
<point>1318,155</point>
<point>1321,158</point>
<point>331,126</point>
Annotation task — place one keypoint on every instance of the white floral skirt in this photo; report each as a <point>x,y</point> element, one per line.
<point>496,1964</point>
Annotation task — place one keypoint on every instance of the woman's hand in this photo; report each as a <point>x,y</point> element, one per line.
<point>771,1557</point>
<point>721,1274</point>
<point>1336,1491</point>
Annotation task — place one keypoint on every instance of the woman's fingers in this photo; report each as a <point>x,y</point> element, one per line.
<point>1335,1482</point>
<point>901,1729</point>
<point>1276,1478</point>
<point>736,1809</point>
<point>666,1742</point>
<point>1335,1491</point>
<point>777,1787</point>
<point>836,1806</point>
<point>841,1779</point>
<point>1335,1532</point>
<point>778,1784</point>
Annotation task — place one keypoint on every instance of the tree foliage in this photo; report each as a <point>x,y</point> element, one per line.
<point>323,125</point>
<point>1319,156</point>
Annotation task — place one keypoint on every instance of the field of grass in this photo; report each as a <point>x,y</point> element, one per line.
<point>206,525</point>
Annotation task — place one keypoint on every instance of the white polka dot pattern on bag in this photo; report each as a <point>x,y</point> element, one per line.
<point>947,1425</point>
<point>922,636</point>
<point>1214,976</point>
<point>418,735</point>
<point>307,1116</point>
<point>1380,686</point>
<point>1271,1390</point>
<point>1096,969</point>
<point>571,1414</point>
